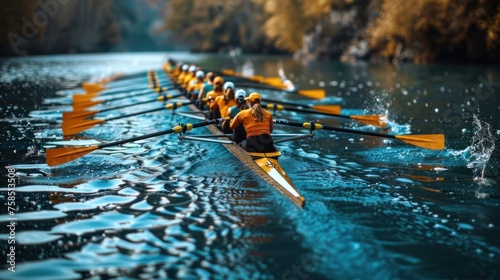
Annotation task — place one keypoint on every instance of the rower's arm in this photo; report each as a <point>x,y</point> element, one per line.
<point>214,104</point>
<point>235,122</point>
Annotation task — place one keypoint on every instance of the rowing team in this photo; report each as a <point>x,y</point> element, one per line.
<point>250,124</point>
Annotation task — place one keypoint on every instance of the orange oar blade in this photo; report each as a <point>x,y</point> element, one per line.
<point>58,156</point>
<point>275,82</point>
<point>84,97</point>
<point>92,87</point>
<point>256,78</point>
<point>330,109</point>
<point>76,126</point>
<point>313,93</point>
<point>227,72</point>
<point>80,106</point>
<point>428,141</point>
<point>376,120</point>
<point>66,116</point>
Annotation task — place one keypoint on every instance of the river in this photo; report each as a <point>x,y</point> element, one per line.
<point>161,208</point>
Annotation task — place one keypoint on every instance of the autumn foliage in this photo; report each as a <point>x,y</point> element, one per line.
<point>420,31</point>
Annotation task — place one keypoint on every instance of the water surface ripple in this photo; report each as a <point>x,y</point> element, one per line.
<point>161,208</point>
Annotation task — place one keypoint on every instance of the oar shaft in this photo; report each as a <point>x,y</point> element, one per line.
<point>137,138</point>
<point>136,114</point>
<point>126,88</point>
<point>309,111</point>
<point>159,133</point>
<point>347,130</point>
<point>146,91</point>
<point>128,105</point>
<point>287,103</point>
<point>253,85</point>
<point>339,129</point>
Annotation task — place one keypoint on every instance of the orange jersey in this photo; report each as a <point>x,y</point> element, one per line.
<point>213,94</point>
<point>194,85</point>
<point>220,104</point>
<point>252,127</point>
<point>187,78</point>
<point>169,68</point>
<point>180,77</point>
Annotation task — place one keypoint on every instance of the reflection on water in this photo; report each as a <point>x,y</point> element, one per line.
<point>162,208</point>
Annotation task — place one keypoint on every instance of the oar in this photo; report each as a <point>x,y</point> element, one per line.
<point>428,141</point>
<point>376,120</point>
<point>85,114</point>
<point>58,156</point>
<point>117,91</point>
<point>112,82</point>
<point>268,83</point>
<point>110,88</point>
<point>309,93</point>
<point>176,105</point>
<point>80,105</point>
<point>326,108</point>
<point>274,81</point>
<point>82,98</point>
<point>130,85</point>
<point>74,126</point>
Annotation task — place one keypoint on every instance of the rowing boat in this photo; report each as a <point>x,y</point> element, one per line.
<point>265,165</point>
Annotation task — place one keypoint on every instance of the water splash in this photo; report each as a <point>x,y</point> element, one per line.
<point>377,103</point>
<point>483,145</point>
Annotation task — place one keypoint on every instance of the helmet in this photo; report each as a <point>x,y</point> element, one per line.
<point>218,80</point>
<point>254,97</point>
<point>192,68</point>
<point>185,67</point>
<point>240,95</point>
<point>200,74</point>
<point>228,85</point>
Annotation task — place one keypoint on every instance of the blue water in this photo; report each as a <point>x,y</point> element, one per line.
<point>162,208</point>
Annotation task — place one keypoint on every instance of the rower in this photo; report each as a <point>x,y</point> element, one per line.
<point>223,102</point>
<point>189,76</point>
<point>195,84</point>
<point>182,74</point>
<point>218,90</point>
<point>208,86</point>
<point>239,133</point>
<point>169,66</point>
<point>258,124</point>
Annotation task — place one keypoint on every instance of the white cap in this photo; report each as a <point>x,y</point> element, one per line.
<point>228,85</point>
<point>185,67</point>
<point>200,74</point>
<point>192,68</point>
<point>240,95</point>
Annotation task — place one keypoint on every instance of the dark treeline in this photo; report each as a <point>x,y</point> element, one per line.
<point>418,31</point>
